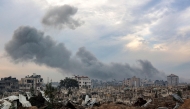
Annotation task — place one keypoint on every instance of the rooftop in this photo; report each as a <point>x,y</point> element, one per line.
<point>172,75</point>
<point>33,76</point>
<point>77,76</point>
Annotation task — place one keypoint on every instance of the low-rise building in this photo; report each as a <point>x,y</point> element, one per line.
<point>83,81</point>
<point>9,84</point>
<point>34,81</point>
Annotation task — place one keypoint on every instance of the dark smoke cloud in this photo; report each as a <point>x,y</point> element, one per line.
<point>29,44</point>
<point>86,57</point>
<point>61,17</point>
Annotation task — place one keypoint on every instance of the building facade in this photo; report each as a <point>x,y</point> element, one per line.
<point>173,80</point>
<point>147,83</point>
<point>9,84</point>
<point>132,82</point>
<point>83,81</point>
<point>160,83</point>
<point>34,81</point>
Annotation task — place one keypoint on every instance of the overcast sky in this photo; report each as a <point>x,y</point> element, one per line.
<point>156,32</point>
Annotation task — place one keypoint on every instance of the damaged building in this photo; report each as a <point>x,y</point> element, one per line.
<point>34,81</point>
<point>9,84</point>
<point>83,81</point>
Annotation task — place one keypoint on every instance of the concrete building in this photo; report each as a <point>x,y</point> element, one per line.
<point>173,80</point>
<point>9,84</point>
<point>83,81</point>
<point>28,82</point>
<point>132,82</point>
<point>147,83</point>
<point>160,83</point>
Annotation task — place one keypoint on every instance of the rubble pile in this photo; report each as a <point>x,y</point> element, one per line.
<point>186,104</point>
<point>103,98</point>
<point>33,107</point>
<point>140,102</point>
<point>37,101</point>
<point>161,102</point>
<point>114,106</point>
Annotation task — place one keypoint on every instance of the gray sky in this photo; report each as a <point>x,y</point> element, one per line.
<point>114,34</point>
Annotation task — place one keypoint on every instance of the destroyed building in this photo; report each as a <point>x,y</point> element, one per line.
<point>34,81</point>
<point>9,84</point>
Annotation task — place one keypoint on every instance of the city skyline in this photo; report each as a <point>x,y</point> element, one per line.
<point>148,37</point>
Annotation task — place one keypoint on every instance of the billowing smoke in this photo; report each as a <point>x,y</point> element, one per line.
<point>61,17</point>
<point>29,44</point>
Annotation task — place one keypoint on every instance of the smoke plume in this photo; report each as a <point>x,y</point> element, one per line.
<point>29,44</point>
<point>61,17</point>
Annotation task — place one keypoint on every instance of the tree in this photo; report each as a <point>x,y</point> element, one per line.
<point>68,83</point>
<point>50,93</point>
<point>37,100</point>
<point>188,87</point>
<point>156,95</point>
<point>179,93</point>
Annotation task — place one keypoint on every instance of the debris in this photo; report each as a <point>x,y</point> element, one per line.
<point>37,101</point>
<point>6,104</point>
<point>147,103</point>
<point>29,95</point>
<point>13,97</point>
<point>185,105</point>
<point>178,98</point>
<point>32,107</point>
<point>23,101</point>
<point>162,108</point>
<point>114,106</point>
<point>176,106</point>
<point>70,105</point>
<point>140,102</point>
<point>43,94</point>
<point>87,99</point>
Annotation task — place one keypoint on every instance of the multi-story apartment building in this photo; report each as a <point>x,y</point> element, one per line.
<point>173,80</point>
<point>83,81</point>
<point>9,84</point>
<point>28,82</point>
<point>132,82</point>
